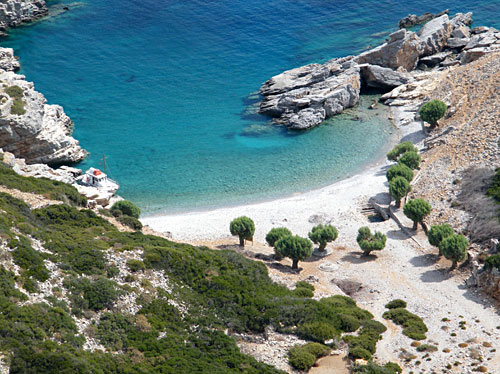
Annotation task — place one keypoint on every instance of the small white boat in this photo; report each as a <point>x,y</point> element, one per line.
<point>96,178</point>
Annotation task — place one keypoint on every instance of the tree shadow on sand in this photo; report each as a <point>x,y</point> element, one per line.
<point>397,234</point>
<point>436,275</point>
<point>358,257</point>
<point>425,260</point>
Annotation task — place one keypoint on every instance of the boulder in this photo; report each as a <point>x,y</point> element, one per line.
<point>472,55</point>
<point>434,35</point>
<point>7,60</point>
<point>462,19</point>
<point>402,50</point>
<point>456,43</point>
<point>435,59</point>
<point>482,40</point>
<point>383,78</point>
<point>460,32</point>
<point>479,30</point>
<point>302,98</point>
<point>307,118</point>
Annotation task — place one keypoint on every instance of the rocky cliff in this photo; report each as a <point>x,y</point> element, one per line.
<point>29,127</point>
<point>15,12</point>
<point>303,97</point>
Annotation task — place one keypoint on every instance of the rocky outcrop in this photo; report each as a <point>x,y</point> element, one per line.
<point>15,12</point>
<point>383,78</point>
<point>302,98</point>
<point>412,19</point>
<point>434,34</point>
<point>29,127</point>
<point>401,51</point>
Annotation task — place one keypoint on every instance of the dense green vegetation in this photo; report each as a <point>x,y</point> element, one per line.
<point>454,248</point>
<point>492,261</point>
<point>372,368</point>
<point>49,188</point>
<point>369,242</point>
<point>243,227</point>
<point>432,111</point>
<point>417,210</point>
<point>410,159</point>
<point>399,170</point>
<point>125,207</point>
<point>400,149</point>
<point>439,232</point>
<point>214,291</point>
<point>17,94</point>
<point>399,187</point>
<point>295,248</point>
<point>413,326</point>
<point>322,235</point>
<point>303,357</point>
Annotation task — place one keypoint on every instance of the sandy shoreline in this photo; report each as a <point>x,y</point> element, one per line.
<point>300,212</point>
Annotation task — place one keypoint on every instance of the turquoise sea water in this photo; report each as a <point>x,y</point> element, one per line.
<point>162,88</point>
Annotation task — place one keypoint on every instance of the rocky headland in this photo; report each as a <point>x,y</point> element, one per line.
<point>29,127</point>
<point>16,12</point>
<point>302,98</point>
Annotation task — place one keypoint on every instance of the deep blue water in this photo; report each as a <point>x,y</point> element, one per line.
<point>162,88</point>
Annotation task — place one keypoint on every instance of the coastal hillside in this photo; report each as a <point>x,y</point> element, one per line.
<point>80,296</point>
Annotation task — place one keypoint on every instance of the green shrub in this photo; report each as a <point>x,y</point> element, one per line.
<point>432,111</point>
<point>427,348</point>
<point>17,107</point>
<point>454,248</point>
<point>372,368</point>
<point>399,187</point>
<point>303,292</point>
<point>304,284</point>
<point>316,331</point>
<point>135,265</point>
<point>349,323</point>
<point>417,210</point>
<point>401,148</point>
<point>131,222</point>
<point>294,247</point>
<point>322,235</point>
<point>376,326</point>
<point>276,234</point>
<point>8,285</point>
<point>359,352</point>
<point>413,326</point>
<point>397,303</point>
<point>30,260</point>
<point>399,170</point>
<point>410,159</point>
<point>369,242</point>
<point>97,294</point>
<point>439,232</point>
<point>303,357</point>
<point>243,227</point>
<point>15,92</point>
<point>492,262</point>
<point>127,207</point>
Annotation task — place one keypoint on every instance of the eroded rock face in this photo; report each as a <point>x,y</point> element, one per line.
<point>412,19</point>
<point>302,98</point>
<point>15,12</point>
<point>434,34</point>
<point>401,51</point>
<point>43,133</point>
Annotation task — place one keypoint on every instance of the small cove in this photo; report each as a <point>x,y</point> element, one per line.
<point>164,90</point>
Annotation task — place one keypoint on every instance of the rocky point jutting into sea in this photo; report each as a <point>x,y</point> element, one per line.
<point>304,97</point>
<point>37,132</point>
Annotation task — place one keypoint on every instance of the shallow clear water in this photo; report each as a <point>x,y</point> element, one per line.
<point>162,88</point>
